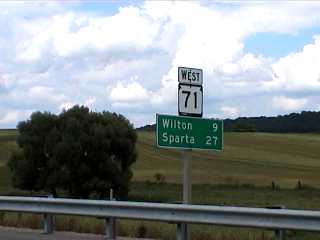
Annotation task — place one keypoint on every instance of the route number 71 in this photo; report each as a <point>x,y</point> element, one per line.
<point>190,100</point>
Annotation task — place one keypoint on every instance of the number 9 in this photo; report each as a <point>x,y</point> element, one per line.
<point>215,127</point>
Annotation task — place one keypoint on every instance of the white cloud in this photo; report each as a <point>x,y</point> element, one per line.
<point>66,105</point>
<point>40,91</point>
<point>9,117</point>
<point>133,92</point>
<point>90,101</point>
<point>3,83</point>
<point>12,116</point>
<point>69,104</point>
<point>70,34</point>
<point>58,57</point>
<point>300,70</point>
<point>231,112</point>
<point>289,104</point>
<point>37,94</point>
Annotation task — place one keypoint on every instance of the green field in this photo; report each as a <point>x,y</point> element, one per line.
<point>241,175</point>
<point>248,158</point>
<point>7,145</point>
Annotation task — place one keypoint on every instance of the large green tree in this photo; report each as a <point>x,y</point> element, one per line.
<point>80,152</point>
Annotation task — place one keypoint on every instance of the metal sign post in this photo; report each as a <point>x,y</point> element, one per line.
<point>190,99</point>
<point>186,158</point>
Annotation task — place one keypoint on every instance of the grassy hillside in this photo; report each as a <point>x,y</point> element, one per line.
<point>248,158</point>
<point>7,145</point>
<point>254,158</point>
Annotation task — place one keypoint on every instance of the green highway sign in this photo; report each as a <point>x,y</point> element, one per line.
<point>189,132</point>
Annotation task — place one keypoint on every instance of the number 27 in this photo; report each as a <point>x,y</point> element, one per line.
<point>211,139</point>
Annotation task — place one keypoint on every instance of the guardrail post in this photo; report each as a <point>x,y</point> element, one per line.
<point>48,222</point>
<point>279,234</point>
<point>110,222</point>
<point>182,231</point>
<point>110,229</point>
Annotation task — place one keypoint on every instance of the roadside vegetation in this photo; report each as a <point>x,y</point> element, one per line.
<point>255,169</point>
<point>79,152</point>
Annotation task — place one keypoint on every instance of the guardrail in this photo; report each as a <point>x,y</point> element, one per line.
<point>174,213</point>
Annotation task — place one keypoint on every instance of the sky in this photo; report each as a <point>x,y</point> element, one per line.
<point>258,58</point>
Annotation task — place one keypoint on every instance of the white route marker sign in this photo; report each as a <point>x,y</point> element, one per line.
<point>190,100</point>
<point>190,93</point>
<point>192,76</point>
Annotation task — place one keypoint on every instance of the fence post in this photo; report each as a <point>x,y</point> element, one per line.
<point>111,223</point>
<point>48,222</point>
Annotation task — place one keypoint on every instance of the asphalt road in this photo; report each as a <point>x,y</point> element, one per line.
<point>8,233</point>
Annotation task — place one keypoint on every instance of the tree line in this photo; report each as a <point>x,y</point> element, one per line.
<point>304,122</point>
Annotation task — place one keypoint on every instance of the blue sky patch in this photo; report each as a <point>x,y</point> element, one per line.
<point>108,8</point>
<point>277,45</point>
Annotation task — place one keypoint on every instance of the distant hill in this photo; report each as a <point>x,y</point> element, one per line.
<point>151,127</point>
<point>304,122</point>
